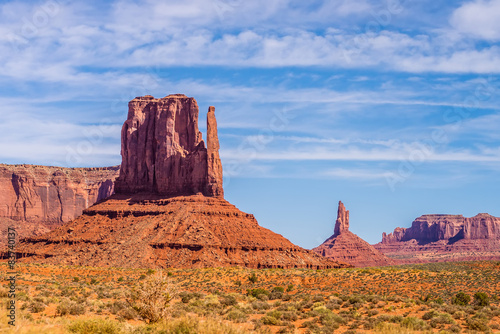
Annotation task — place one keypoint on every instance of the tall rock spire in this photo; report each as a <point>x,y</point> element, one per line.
<point>214,165</point>
<point>346,246</point>
<point>163,151</point>
<point>342,223</point>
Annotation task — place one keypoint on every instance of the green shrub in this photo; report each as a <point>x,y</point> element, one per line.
<point>257,292</point>
<point>252,278</point>
<point>481,299</point>
<point>461,298</point>
<point>267,320</point>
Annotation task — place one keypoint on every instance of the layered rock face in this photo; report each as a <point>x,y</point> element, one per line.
<point>163,151</point>
<point>145,231</point>
<point>151,222</point>
<point>51,195</point>
<point>444,238</point>
<point>345,246</point>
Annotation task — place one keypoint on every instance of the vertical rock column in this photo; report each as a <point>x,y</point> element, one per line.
<point>342,223</point>
<point>214,165</point>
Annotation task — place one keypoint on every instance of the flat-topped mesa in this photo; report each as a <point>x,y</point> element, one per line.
<point>438,238</point>
<point>433,228</point>
<point>342,222</point>
<point>163,151</point>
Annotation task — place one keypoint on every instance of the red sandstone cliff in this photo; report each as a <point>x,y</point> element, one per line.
<point>444,238</point>
<point>51,195</point>
<point>345,246</point>
<point>163,151</point>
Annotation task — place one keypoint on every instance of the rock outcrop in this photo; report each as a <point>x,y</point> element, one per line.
<point>149,231</point>
<point>51,195</point>
<point>163,151</point>
<point>345,246</point>
<point>169,209</point>
<point>444,238</point>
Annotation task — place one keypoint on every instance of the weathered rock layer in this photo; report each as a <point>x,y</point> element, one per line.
<point>433,238</point>
<point>51,195</point>
<point>183,232</point>
<point>345,246</point>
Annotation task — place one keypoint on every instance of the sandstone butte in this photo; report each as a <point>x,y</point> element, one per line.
<point>345,246</point>
<point>169,208</point>
<point>34,199</point>
<point>438,238</point>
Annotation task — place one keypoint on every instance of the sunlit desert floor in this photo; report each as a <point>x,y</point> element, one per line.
<point>402,299</point>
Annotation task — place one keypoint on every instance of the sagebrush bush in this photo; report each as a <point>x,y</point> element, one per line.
<point>69,307</point>
<point>151,300</point>
<point>95,326</point>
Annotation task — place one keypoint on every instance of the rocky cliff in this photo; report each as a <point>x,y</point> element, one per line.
<point>169,209</point>
<point>345,246</point>
<point>163,151</point>
<point>444,238</point>
<point>51,195</point>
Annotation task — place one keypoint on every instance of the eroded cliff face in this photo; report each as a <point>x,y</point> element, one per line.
<point>432,228</point>
<point>51,195</point>
<point>163,151</point>
<point>345,246</point>
<point>444,238</point>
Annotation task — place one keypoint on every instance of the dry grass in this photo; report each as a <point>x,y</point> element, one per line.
<point>405,299</point>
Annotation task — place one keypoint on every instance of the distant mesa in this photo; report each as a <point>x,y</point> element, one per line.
<point>345,246</point>
<point>437,238</point>
<point>169,209</point>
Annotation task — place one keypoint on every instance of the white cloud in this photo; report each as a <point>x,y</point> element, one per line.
<point>359,174</point>
<point>479,18</point>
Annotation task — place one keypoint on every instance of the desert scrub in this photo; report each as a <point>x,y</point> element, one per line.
<point>95,326</point>
<point>481,299</point>
<point>461,298</point>
<point>34,307</point>
<point>186,297</point>
<point>260,305</point>
<point>236,315</point>
<point>151,300</point>
<point>441,319</point>
<point>69,307</point>
<point>258,293</point>
<point>478,324</point>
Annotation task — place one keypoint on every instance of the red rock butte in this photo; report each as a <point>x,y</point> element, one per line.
<point>440,237</point>
<point>163,151</point>
<point>345,246</point>
<point>168,210</point>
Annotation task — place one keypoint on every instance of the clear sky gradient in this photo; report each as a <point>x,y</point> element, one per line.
<point>390,106</point>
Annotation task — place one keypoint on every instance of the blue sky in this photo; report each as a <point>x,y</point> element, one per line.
<point>390,106</point>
